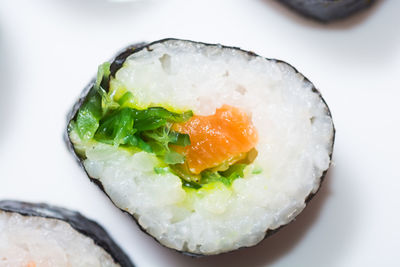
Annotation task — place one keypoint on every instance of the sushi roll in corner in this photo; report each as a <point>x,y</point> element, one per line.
<point>210,148</point>
<point>40,235</point>
<point>327,10</point>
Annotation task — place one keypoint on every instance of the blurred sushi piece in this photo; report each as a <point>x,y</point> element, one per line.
<point>327,10</point>
<point>38,235</point>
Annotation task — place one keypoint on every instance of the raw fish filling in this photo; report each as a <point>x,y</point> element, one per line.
<point>221,137</point>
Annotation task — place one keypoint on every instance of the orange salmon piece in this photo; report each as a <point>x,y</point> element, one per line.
<point>216,138</point>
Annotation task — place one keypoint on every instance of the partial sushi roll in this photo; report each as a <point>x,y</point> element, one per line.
<point>33,235</point>
<point>210,148</point>
<point>327,10</point>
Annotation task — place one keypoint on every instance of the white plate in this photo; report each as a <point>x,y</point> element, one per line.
<point>49,50</point>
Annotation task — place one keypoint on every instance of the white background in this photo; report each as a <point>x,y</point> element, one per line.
<point>49,50</point>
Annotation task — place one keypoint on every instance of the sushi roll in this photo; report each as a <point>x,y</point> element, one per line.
<point>327,10</point>
<point>210,148</point>
<point>43,235</point>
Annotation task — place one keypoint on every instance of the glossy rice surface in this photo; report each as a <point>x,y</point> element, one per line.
<point>295,135</point>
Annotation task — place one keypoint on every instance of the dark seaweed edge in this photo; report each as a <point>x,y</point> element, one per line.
<point>76,220</point>
<point>117,63</point>
<point>332,15</point>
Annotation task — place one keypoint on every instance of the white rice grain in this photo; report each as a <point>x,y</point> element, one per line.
<point>295,140</point>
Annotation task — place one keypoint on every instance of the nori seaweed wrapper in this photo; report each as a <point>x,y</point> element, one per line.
<point>116,63</point>
<point>327,10</point>
<point>77,221</point>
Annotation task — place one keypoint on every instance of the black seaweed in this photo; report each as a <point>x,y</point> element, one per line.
<point>327,10</point>
<point>117,63</point>
<point>77,221</point>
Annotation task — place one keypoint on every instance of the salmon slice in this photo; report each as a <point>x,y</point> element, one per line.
<point>217,138</point>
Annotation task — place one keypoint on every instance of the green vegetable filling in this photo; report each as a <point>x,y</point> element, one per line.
<point>150,130</point>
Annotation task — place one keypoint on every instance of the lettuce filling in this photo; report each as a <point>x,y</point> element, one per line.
<point>115,122</point>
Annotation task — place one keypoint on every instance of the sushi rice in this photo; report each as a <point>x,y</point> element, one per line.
<point>295,142</point>
<point>39,235</point>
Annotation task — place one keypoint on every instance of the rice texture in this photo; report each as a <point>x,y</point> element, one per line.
<point>295,132</point>
<point>37,241</point>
